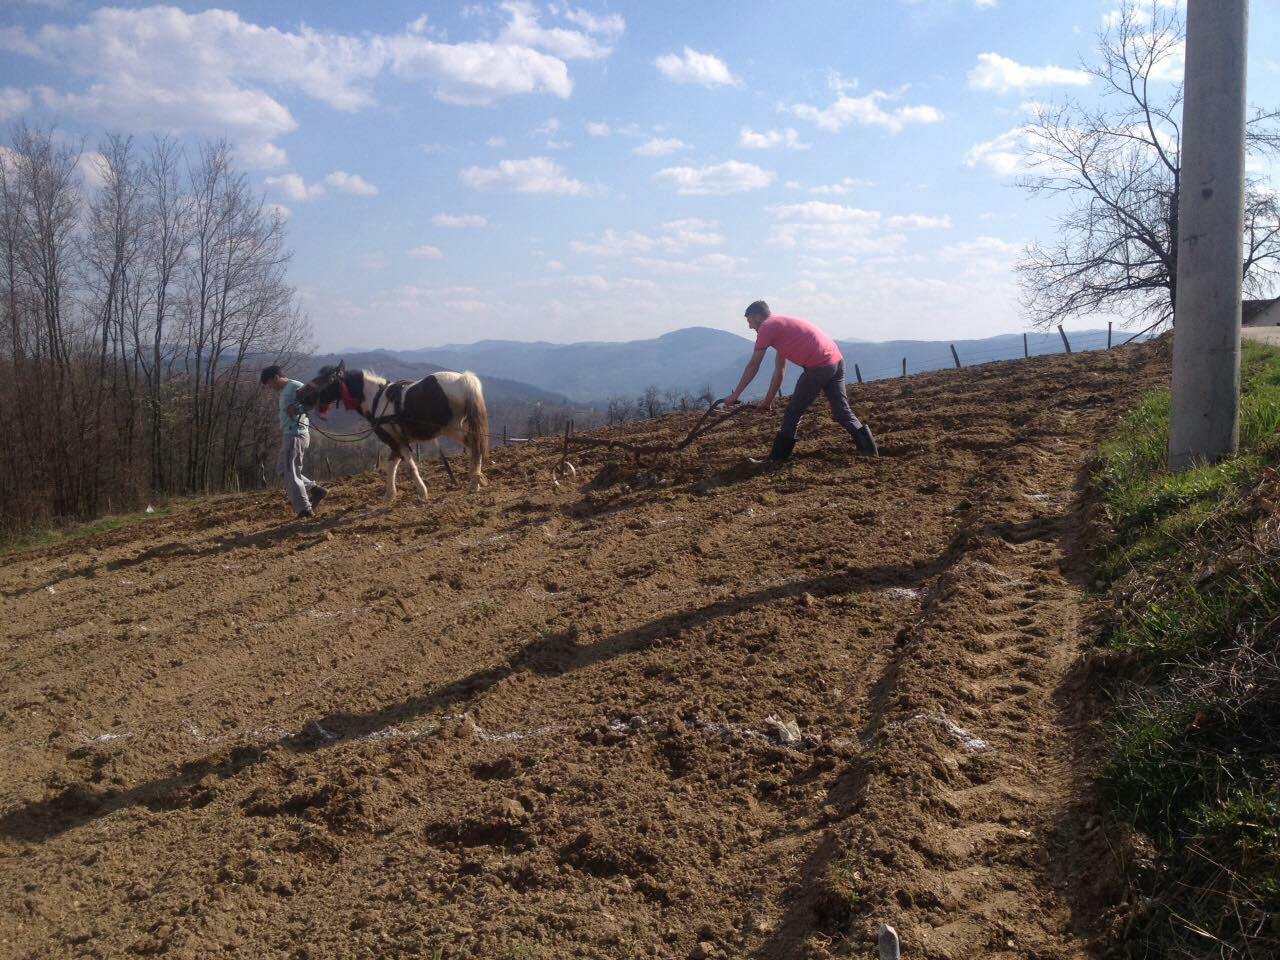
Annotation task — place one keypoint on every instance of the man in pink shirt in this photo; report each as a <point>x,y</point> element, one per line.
<point>804,345</point>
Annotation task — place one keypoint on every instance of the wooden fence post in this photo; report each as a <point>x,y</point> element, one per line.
<point>904,366</point>
<point>857,372</point>
<point>1025,351</point>
<point>1065,342</point>
<point>955,356</point>
<point>504,434</point>
<point>1108,334</point>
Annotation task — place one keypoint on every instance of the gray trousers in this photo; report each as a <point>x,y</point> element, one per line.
<point>292,449</point>
<point>816,380</point>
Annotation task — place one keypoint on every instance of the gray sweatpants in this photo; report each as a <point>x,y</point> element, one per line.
<point>816,380</point>
<point>292,449</point>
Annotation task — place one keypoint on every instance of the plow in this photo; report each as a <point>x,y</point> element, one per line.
<point>709,421</point>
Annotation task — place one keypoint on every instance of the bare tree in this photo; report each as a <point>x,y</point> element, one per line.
<point>133,308</point>
<point>168,235</point>
<point>1116,166</point>
<point>650,403</point>
<point>618,409</point>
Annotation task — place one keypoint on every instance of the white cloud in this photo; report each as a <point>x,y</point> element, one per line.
<point>94,169</point>
<point>475,73</point>
<point>610,26</point>
<point>868,110</point>
<point>918,221</point>
<point>345,182</point>
<point>676,236</point>
<point>458,220</point>
<point>261,155</point>
<point>598,129</point>
<point>1002,155</point>
<point>373,261</point>
<point>524,29</point>
<point>213,72</point>
<point>732,176</point>
<point>695,67</point>
<point>534,175</point>
<point>984,4</point>
<point>660,147</point>
<point>771,138</point>
<point>496,142</point>
<point>426,252</point>
<point>846,185</point>
<point>718,262</point>
<point>13,102</point>
<point>692,232</point>
<point>549,127</point>
<point>1000,74</point>
<point>981,248</point>
<point>818,225</point>
<point>598,284</point>
<point>291,186</point>
<point>819,211</point>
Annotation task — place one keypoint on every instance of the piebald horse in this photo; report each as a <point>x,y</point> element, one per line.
<point>442,404</point>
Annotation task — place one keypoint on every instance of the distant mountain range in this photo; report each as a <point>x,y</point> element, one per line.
<point>683,360</point>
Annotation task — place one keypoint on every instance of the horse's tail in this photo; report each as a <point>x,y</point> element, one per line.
<point>477,415</point>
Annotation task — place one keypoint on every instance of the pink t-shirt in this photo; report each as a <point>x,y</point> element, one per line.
<point>799,341</point>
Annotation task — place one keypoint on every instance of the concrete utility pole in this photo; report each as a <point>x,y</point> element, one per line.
<point>1206,342</point>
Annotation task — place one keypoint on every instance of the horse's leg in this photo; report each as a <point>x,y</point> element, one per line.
<point>478,480</point>
<point>413,466</point>
<point>392,466</point>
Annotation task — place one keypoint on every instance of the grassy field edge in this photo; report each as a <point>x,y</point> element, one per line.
<point>1191,563</point>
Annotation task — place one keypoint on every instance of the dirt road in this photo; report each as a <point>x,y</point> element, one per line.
<point>689,710</point>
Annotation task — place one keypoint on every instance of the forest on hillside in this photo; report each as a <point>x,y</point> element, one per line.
<point>139,283</point>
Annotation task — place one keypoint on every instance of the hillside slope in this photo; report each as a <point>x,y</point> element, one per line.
<point>543,723</point>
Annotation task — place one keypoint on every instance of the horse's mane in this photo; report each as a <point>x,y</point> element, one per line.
<point>331,369</point>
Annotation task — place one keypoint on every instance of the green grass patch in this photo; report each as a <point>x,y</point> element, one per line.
<point>1194,569</point>
<point>78,531</point>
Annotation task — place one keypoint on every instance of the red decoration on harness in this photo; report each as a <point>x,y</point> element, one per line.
<point>347,400</point>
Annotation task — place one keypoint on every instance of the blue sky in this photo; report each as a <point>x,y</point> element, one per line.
<point>534,170</point>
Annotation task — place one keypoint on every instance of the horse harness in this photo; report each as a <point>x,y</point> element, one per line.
<point>421,405</point>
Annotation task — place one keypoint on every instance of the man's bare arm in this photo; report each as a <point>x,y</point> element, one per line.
<point>749,374</point>
<point>775,384</point>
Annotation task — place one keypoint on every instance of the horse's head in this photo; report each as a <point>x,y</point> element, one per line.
<point>325,388</point>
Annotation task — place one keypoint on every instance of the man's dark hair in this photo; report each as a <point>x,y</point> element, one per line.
<point>270,373</point>
<point>759,308</point>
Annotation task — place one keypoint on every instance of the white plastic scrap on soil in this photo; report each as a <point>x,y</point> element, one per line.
<point>954,730</point>
<point>787,732</point>
<point>106,737</point>
<point>901,593</point>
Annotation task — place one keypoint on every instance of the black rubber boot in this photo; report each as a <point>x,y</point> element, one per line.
<point>782,447</point>
<point>865,442</point>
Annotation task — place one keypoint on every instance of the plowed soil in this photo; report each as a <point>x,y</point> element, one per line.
<point>688,708</point>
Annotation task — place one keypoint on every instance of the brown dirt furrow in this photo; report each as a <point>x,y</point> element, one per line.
<point>542,723</point>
